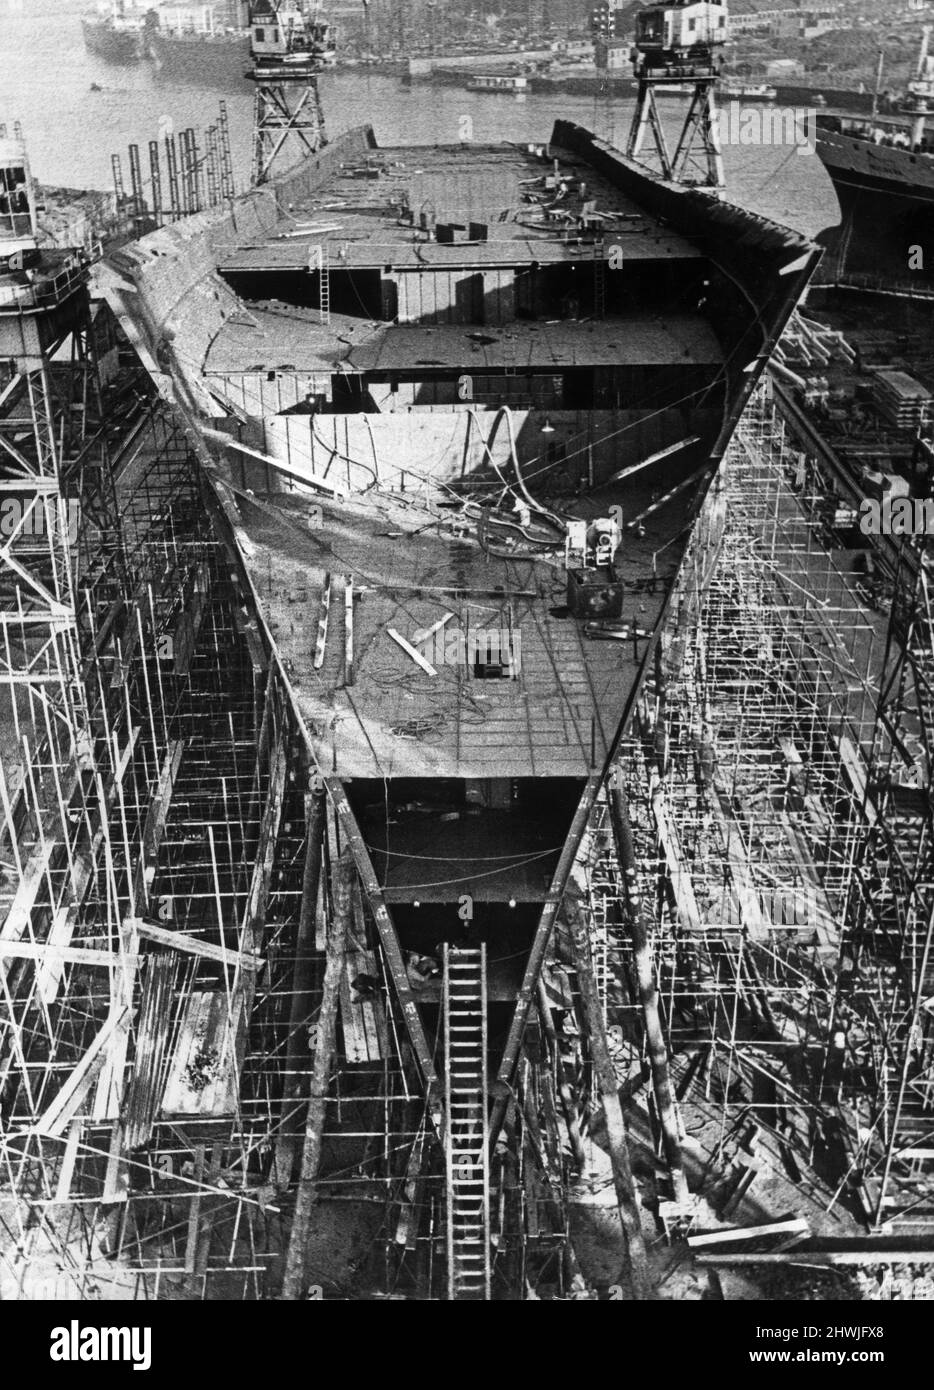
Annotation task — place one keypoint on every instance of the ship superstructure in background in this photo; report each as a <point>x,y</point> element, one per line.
<point>289,47</point>
<point>204,44</point>
<point>676,45</point>
<point>117,31</point>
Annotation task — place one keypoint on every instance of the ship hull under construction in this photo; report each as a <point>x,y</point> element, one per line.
<point>437,512</point>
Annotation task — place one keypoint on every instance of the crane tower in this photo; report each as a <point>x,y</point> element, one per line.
<point>289,46</point>
<point>675,46</point>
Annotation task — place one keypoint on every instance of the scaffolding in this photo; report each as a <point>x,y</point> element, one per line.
<point>207,1023</point>
<point>776,777</point>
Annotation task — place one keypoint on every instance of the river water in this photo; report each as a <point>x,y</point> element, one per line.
<point>46,77</point>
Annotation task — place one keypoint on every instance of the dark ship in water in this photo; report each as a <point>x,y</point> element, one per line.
<point>116,33</point>
<point>214,54</point>
<point>883,173</point>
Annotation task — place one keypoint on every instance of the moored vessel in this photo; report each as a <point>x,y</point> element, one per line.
<point>116,32</point>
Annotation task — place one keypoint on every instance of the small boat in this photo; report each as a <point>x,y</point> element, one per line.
<point>734,90</point>
<point>498,82</point>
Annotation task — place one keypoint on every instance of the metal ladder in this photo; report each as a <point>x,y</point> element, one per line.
<point>599,279</point>
<point>324,274</point>
<point>467,1130</point>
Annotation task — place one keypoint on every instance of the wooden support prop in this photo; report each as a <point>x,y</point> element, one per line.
<point>822,1259</point>
<point>627,1196</point>
<point>565,1088</point>
<point>47,952</point>
<point>533,967</point>
<point>322,637</point>
<point>303,979</point>
<point>65,1104</point>
<point>67,1171</point>
<point>194,1212</point>
<point>798,1226</point>
<point>156,818</point>
<point>410,651</point>
<point>293,1283</point>
<point>348,631</point>
<point>424,1053</point>
<point>194,946</point>
<point>666,497</point>
<point>654,458</point>
<point>679,875</point>
<point>639,930</point>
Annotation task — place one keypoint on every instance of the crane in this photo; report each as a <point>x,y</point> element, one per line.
<point>289,46</point>
<point>676,46</point>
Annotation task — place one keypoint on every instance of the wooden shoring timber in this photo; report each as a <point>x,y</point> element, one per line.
<point>116,1175</point>
<point>48,952</point>
<point>679,875</point>
<point>363,1018</point>
<point>127,650</point>
<point>737,862</point>
<point>392,951</point>
<point>63,1108</point>
<point>322,636</point>
<point>293,1283</point>
<point>349,675</point>
<point>189,625</point>
<point>822,1259</point>
<point>194,946</point>
<point>248,629</point>
<point>851,760</point>
<point>69,1158</point>
<point>51,954</point>
<point>536,957</point>
<point>27,891</point>
<point>407,1225</point>
<point>194,1212</point>
<point>112,1080</point>
<point>640,936</point>
<point>627,1197</point>
<point>269,728</point>
<point>821,821</point>
<point>155,1023</point>
<point>822,923</point>
<point>155,823</point>
<point>266,847</point>
<point>797,1225</point>
<point>212,1206</point>
<point>291,1111</point>
<point>565,1084</point>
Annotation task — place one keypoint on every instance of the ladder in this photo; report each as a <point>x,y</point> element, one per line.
<point>325,281</point>
<point>466,1141</point>
<point>599,279</point>
<point>227,186</point>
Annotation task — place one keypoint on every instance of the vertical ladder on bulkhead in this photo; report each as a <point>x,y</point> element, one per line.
<point>325,279</point>
<point>599,279</point>
<point>467,1127</point>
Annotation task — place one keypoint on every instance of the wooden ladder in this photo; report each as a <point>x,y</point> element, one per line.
<point>467,1128</point>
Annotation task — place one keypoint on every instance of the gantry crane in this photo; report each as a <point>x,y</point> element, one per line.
<point>289,46</point>
<point>676,46</point>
